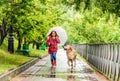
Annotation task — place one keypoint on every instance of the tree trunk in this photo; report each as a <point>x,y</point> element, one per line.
<point>25,40</point>
<point>3,31</point>
<point>19,41</point>
<point>34,43</point>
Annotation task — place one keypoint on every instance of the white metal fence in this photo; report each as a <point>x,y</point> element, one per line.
<point>105,57</point>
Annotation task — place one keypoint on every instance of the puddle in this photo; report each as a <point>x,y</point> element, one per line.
<point>86,70</point>
<point>42,71</point>
<point>68,75</point>
<point>40,65</point>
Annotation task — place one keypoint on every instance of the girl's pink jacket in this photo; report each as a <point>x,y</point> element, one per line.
<point>53,44</point>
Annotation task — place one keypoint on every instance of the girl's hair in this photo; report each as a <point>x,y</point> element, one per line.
<point>52,32</point>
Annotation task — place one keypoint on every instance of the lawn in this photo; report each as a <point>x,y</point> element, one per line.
<point>10,61</point>
<point>36,53</point>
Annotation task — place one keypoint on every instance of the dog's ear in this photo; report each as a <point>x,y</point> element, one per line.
<point>71,48</point>
<point>64,47</point>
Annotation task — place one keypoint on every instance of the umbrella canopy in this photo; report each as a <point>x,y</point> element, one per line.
<point>61,33</point>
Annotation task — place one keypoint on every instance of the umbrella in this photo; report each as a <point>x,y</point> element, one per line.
<point>61,33</point>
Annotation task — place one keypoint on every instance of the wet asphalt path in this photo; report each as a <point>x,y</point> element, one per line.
<point>42,71</point>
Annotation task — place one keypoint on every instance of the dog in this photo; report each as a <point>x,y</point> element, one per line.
<point>71,76</point>
<point>71,55</point>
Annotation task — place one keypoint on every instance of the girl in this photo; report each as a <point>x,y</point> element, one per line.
<point>53,42</point>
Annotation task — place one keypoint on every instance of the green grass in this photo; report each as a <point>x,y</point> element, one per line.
<point>37,53</point>
<point>10,61</point>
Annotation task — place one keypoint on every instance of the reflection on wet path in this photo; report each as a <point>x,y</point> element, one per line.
<point>53,72</point>
<point>42,71</point>
<point>70,75</point>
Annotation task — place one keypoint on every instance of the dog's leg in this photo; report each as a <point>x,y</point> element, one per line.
<point>72,64</point>
<point>75,62</point>
<point>68,63</point>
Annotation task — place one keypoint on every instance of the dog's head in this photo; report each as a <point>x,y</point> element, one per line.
<point>68,47</point>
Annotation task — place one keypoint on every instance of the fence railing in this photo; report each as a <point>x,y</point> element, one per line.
<point>105,57</point>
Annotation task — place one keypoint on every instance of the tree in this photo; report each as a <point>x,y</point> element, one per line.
<point>113,6</point>
<point>31,16</point>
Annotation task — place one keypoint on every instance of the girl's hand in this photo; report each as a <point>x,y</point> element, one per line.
<point>57,37</point>
<point>48,37</point>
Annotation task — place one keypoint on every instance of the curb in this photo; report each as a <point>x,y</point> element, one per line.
<point>43,56</point>
<point>18,70</point>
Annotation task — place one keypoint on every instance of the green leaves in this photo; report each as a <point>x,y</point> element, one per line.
<point>113,6</point>
<point>92,21</point>
<point>93,26</point>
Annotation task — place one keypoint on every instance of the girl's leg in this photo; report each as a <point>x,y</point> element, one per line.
<point>51,57</point>
<point>54,59</point>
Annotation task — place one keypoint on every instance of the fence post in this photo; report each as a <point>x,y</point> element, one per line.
<point>118,64</point>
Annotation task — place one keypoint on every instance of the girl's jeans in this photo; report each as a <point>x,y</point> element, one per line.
<point>53,59</point>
